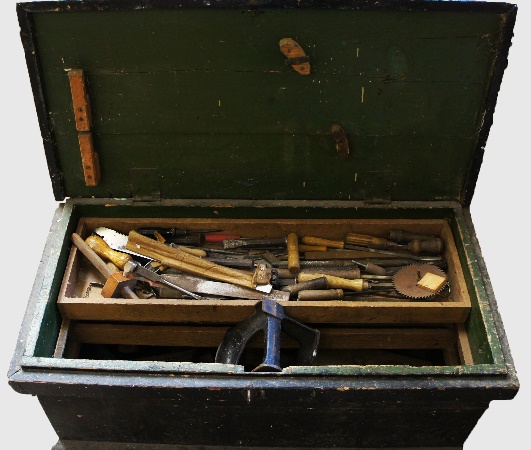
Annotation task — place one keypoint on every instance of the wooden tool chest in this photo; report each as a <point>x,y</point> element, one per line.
<point>262,120</point>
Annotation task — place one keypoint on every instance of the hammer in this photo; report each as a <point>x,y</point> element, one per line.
<point>116,283</point>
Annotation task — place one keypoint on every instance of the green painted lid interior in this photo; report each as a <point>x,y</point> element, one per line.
<point>199,103</point>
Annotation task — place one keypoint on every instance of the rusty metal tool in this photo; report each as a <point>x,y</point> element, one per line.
<point>392,253</point>
<point>132,267</point>
<point>170,232</point>
<point>407,281</point>
<point>116,283</point>
<point>270,318</point>
<point>254,243</point>
<point>220,289</point>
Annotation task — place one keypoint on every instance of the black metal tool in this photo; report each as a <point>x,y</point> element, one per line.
<point>170,232</point>
<point>268,317</point>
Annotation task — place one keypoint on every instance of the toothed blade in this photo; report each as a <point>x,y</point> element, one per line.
<point>117,241</point>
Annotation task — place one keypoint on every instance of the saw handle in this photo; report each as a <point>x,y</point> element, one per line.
<point>103,250</point>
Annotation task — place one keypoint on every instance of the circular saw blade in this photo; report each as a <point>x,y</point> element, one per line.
<point>406,279</point>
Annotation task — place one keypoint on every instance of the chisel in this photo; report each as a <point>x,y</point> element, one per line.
<point>415,246</point>
<point>254,243</point>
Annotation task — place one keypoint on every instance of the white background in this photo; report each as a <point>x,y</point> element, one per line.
<point>499,209</point>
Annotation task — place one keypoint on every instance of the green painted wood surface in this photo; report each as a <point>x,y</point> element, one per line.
<point>204,99</point>
<point>488,355</point>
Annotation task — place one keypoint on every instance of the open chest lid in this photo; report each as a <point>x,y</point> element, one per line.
<point>194,99</point>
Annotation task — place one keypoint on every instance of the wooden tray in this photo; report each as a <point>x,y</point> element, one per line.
<point>453,309</point>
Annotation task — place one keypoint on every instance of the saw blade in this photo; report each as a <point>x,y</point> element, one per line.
<point>406,280</point>
<point>209,287</point>
<point>117,241</point>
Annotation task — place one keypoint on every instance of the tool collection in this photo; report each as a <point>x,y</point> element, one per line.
<point>198,265</point>
<point>227,266</point>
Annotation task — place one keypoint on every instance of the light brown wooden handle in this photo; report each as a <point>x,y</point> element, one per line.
<point>312,248</point>
<point>335,282</point>
<point>91,255</point>
<point>349,274</point>
<point>311,240</point>
<point>368,241</point>
<point>102,249</point>
<point>192,251</point>
<point>294,265</point>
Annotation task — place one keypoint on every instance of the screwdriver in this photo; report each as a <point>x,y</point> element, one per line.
<point>416,246</point>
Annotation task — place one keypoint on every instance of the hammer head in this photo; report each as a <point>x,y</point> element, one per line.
<point>115,284</point>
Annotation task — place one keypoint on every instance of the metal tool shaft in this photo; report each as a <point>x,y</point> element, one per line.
<point>134,267</point>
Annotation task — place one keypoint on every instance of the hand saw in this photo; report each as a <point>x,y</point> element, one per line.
<point>118,241</point>
<point>189,284</point>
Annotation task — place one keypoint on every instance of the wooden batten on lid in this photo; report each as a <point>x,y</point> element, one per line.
<point>83,121</point>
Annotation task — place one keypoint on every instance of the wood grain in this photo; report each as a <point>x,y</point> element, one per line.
<point>80,100</point>
<point>89,159</point>
<point>201,336</point>
<point>232,311</point>
<point>172,257</point>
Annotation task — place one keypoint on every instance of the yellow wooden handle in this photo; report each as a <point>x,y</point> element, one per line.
<point>312,248</point>
<point>192,251</point>
<point>310,240</point>
<point>335,282</point>
<point>294,265</point>
<point>102,249</point>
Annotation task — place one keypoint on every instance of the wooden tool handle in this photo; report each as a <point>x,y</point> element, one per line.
<point>312,248</point>
<point>294,265</point>
<point>434,246</point>
<point>172,257</point>
<point>91,256</point>
<point>102,249</point>
<point>349,274</point>
<point>374,269</point>
<point>335,282</point>
<point>326,294</point>
<point>314,284</point>
<point>311,240</point>
<point>368,241</point>
<point>192,251</point>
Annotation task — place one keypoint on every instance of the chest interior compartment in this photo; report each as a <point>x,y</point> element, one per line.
<point>363,329</point>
